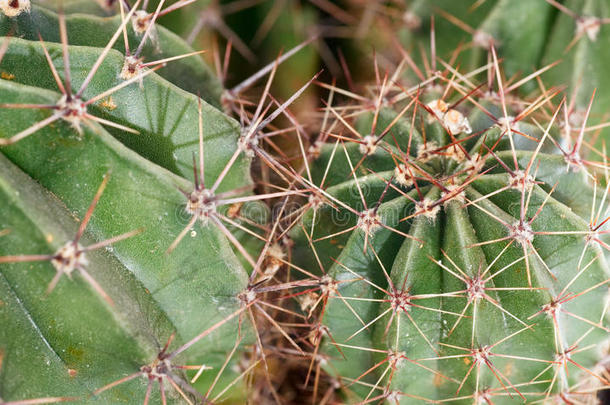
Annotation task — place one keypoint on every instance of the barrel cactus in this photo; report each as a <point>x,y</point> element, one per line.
<point>123,277</point>
<point>460,230</point>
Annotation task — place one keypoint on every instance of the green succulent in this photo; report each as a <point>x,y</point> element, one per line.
<point>72,120</point>
<point>459,234</point>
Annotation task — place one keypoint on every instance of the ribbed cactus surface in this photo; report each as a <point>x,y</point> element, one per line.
<point>92,200</point>
<point>436,234</point>
<point>461,253</point>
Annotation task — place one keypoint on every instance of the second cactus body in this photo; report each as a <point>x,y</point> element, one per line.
<point>459,265</point>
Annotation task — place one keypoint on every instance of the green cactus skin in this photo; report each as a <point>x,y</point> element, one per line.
<point>518,29</point>
<point>527,35</point>
<point>190,74</point>
<point>70,342</point>
<point>192,291</point>
<point>578,42</point>
<point>164,138</point>
<point>397,291</point>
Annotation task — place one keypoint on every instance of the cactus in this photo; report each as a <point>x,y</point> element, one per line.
<point>460,234</point>
<point>582,28</point>
<point>190,74</point>
<point>141,304</point>
<point>438,236</point>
